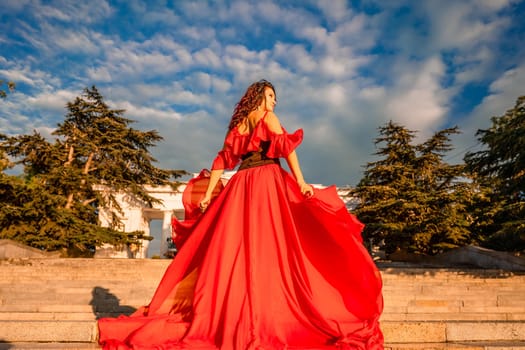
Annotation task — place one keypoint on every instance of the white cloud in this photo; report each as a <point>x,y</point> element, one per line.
<point>205,34</point>
<point>207,57</point>
<point>52,101</point>
<point>511,82</point>
<point>53,13</point>
<point>357,33</point>
<point>16,75</point>
<point>99,74</point>
<point>207,82</point>
<point>46,132</point>
<point>334,10</point>
<point>473,66</point>
<point>15,5</point>
<point>132,60</point>
<point>372,93</point>
<point>504,92</point>
<point>417,100</point>
<point>67,11</point>
<point>317,35</point>
<point>243,11</point>
<point>339,73</point>
<point>140,113</point>
<point>75,42</point>
<point>22,74</point>
<point>457,26</point>
<point>156,17</point>
<point>491,6</point>
<point>334,95</point>
<point>295,55</point>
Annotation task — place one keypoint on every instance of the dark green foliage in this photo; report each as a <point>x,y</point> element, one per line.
<point>499,171</point>
<point>410,199</point>
<point>10,87</point>
<point>55,204</point>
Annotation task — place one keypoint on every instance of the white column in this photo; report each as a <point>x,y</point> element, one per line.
<point>166,233</point>
<point>143,253</point>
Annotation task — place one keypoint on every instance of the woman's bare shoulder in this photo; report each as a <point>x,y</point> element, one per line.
<point>273,123</point>
<point>243,126</point>
<point>254,117</point>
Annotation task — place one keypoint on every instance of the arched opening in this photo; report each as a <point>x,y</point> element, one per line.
<point>155,231</point>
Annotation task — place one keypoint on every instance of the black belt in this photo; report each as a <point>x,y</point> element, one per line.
<point>254,159</point>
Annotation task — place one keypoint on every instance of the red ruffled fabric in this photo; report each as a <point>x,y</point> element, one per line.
<point>263,268</point>
<point>237,144</point>
<point>191,197</point>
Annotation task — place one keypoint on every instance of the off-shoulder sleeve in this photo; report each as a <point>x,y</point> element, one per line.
<point>235,145</point>
<point>281,145</point>
<point>225,160</point>
<point>230,155</point>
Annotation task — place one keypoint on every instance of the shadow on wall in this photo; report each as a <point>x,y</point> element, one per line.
<point>5,345</point>
<point>106,304</point>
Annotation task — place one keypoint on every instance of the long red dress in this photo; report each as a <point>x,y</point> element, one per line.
<point>263,268</point>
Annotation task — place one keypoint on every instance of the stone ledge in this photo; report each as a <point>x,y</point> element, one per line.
<point>48,331</point>
<point>486,331</point>
<point>520,345</point>
<point>48,346</point>
<point>400,346</point>
<point>12,249</point>
<point>468,256</point>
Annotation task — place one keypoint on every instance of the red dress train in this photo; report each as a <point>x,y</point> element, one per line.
<point>263,268</point>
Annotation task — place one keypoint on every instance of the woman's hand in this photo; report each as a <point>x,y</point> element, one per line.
<point>203,204</point>
<point>306,189</point>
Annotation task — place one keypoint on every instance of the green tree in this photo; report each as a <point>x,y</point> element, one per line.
<point>384,184</point>
<point>95,156</point>
<point>499,171</point>
<point>10,87</point>
<point>410,199</point>
<point>443,197</point>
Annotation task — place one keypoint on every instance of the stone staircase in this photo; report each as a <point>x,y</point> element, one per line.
<point>54,303</point>
<point>461,307</point>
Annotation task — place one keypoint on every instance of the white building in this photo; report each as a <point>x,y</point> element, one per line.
<point>137,216</point>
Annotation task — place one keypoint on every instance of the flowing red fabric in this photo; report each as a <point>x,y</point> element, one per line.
<point>263,268</point>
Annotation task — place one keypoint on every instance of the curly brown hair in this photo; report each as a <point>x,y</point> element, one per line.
<point>252,98</point>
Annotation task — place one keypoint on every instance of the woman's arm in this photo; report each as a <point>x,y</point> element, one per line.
<point>293,164</point>
<point>214,179</point>
<point>293,161</point>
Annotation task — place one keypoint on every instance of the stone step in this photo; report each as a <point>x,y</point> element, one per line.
<point>423,287</point>
<point>130,292</point>
<point>436,316</point>
<point>431,313</point>
<point>518,345</point>
<point>78,315</point>
<point>48,331</point>
<point>72,299</point>
<point>139,298</point>
<point>49,346</point>
<point>22,277</point>
<point>404,346</point>
<point>452,331</point>
<point>58,300</point>
<point>47,316</point>
<point>394,332</point>
<point>388,268</point>
<point>31,307</point>
<point>510,287</point>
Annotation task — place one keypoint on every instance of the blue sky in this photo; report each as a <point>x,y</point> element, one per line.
<point>341,70</point>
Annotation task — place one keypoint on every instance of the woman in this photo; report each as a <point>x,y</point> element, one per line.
<point>272,263</point>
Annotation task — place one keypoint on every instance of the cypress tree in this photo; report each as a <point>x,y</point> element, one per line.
<point>410,199</point>
<point>96,155</point>
<point>499,170</point>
